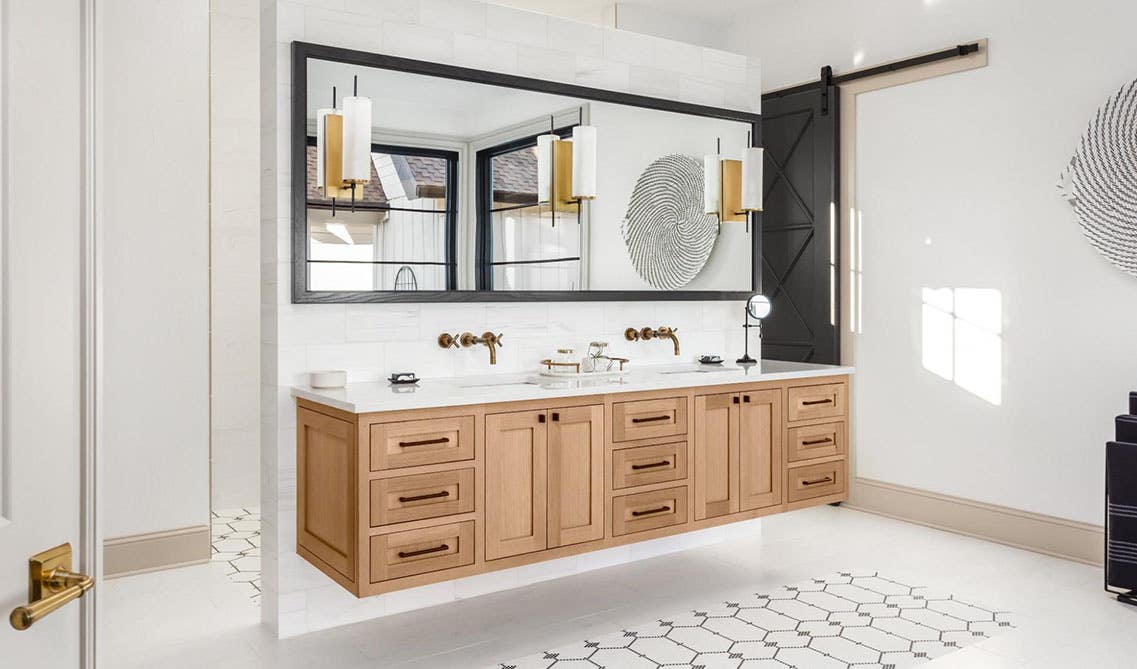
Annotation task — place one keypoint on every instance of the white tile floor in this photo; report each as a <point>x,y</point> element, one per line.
<point>194,618</point>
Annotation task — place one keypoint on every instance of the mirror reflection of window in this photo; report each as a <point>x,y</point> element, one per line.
<point>531,245</point>
<point>395,236</point>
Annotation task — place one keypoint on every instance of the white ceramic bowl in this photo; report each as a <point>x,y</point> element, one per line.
<point>328,378</point>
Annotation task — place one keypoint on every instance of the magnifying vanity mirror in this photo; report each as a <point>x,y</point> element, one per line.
<point>465,185</point>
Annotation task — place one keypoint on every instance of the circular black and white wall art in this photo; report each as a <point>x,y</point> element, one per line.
<point>669,237</point>
<point>1100,181</point>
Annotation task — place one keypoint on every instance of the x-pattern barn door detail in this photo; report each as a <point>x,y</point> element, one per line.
<point>799,227</point>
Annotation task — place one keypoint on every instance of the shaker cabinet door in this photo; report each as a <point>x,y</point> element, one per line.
<point>760,449</point>
<point>576,475</point>
<point>516,480</point>
<point>716,455</point>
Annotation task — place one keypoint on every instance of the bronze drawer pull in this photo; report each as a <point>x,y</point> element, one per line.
<point>662,463</point>
<point>424,442</point>
<point>651,511</point>
<point>814,442</point>
<point>827,400</point>
<point>827,479</point>
<point>419,498</point>
<point>425,551</point>
<point>651,419</point>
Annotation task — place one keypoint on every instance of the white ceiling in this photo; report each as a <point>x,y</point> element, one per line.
<point>720,12</point>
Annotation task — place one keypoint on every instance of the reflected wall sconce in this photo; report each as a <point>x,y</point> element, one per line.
<point>343,147</point>
<point>566,168</point>
<point>733,188</point>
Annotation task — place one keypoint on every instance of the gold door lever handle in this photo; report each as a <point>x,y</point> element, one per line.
<point>51,584</point>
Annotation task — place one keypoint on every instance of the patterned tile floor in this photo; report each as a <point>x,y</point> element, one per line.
<point>844,620</point>
<point>236,538</point>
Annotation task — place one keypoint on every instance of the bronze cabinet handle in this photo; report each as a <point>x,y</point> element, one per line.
<point>424,442</point>
<point>746,398</point>
<point>556,416</point>
<point>735,398</point>
<point>662,463</point>
<point>814,442</point>
<point>827,400</point>
<point>419,498</point>
<point>650,419</point>
<point>425,551</point>
<point>827,479</point>
<point>651,511</point>
<point>540,418</point>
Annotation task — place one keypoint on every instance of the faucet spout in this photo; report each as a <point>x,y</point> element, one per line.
<point>665,332</point>
<point>491,341</point>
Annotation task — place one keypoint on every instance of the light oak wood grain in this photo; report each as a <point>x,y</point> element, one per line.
<point>576,475</point>
<point>516,483</point>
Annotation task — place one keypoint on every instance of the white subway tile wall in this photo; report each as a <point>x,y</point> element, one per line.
<point>372,340</point>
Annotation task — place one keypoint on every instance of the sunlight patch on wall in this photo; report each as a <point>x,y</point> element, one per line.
<point>963,338</point>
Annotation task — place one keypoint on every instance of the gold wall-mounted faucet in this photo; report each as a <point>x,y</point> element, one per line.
<point>647,334</point>
<point>491,341</point>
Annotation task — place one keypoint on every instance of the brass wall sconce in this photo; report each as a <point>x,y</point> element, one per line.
<point>343,147</point>
<point>732,189</point>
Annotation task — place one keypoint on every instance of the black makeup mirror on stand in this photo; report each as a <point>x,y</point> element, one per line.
<point>757,307</point>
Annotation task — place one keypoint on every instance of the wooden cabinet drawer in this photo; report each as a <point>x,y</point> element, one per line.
<point>422,442</point>
<point>644,511</point>
<point>644,419</point>
<point>420,551</point>
<point>827,478</point>
<point>823,401</point>
<point>815,441</point>
<point>641,465</point>
<point>405,498</point>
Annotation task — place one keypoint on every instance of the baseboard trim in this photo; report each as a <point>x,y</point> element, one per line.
<point>1081,542</point>
<point>153,551</point>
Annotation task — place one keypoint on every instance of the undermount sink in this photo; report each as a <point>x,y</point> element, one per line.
<point>701,370</point>
<point>494,384</point>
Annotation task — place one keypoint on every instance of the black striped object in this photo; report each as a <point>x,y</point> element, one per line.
<point>1101,180</point>
<point>668,236</point>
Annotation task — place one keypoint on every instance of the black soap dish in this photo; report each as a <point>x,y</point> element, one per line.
<point>402,378</point>
<point>711,359</point>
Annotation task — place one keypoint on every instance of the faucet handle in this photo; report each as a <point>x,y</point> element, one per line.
<point>498,338</point>
<point>447,340</point>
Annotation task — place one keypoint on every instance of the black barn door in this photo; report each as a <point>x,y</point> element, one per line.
<point>799,132</point>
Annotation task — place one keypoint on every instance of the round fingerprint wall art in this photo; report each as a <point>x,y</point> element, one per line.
<point>668,235</point>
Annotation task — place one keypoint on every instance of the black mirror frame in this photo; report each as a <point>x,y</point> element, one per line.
<point>303,51</point>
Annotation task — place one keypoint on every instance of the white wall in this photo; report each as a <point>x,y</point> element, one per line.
<point>373,340</point>
<point>153,194</point>
<point>956,184</point>
<point>235,254</point>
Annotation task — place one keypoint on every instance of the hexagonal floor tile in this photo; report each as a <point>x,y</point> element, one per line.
<point>907,629</point>
<point>767,619</point>
<point>736,629</point>
<point>617,657</point>
<point>699,640</point>
<point>845,650</point>
<point>807,657</point>
<point>662,650</point>
<point>791,639</point>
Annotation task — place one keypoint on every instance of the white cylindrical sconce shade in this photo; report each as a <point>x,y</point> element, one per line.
<point>712,184</point>
<point>752,158</point>
<point>584,162</point>
<point>545,167</point>
<point>356,138</point>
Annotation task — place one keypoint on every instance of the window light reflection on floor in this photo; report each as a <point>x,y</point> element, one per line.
<point>963,338</point>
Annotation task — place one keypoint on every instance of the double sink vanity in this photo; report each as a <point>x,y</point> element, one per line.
<point>403,486</point>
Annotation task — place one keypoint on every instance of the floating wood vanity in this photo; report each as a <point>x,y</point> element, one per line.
<point>396,490</point>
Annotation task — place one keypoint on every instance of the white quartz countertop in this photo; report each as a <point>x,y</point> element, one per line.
<point>461,390</point>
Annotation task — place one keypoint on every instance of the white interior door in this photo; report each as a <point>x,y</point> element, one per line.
<point>41,202</point>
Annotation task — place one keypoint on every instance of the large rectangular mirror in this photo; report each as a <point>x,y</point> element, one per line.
<point>464,185</point>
